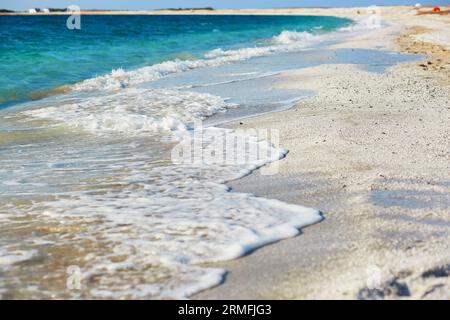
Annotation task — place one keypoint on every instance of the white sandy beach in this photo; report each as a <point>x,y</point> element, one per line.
<point>372,151</point>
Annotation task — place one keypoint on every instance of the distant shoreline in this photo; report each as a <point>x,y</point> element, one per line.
<point>175,11</point>
<point>323,11</point>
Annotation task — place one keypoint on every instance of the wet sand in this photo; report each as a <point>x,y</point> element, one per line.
<point>372,152</point>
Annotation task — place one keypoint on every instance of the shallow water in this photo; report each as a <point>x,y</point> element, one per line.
<point>39,53</point>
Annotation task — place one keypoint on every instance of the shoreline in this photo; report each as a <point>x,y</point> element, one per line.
<point>324,11</point>
<point>269,11</point>
<point>371,151</point>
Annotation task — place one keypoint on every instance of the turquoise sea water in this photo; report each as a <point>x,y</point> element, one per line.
<point>39,53</point>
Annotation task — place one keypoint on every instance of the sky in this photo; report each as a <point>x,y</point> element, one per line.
<point>158,4</point>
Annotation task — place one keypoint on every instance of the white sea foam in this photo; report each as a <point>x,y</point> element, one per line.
<point>297,38</point>
<point>134,110</point>
<point>161,219</point>
<point>284,42</point>
<point>161,222</point>
<point>372,22</point>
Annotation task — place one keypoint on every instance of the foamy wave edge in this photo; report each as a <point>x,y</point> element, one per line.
<point>284,42</point>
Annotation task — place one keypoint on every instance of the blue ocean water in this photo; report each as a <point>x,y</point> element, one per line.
<point>39,53</point>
